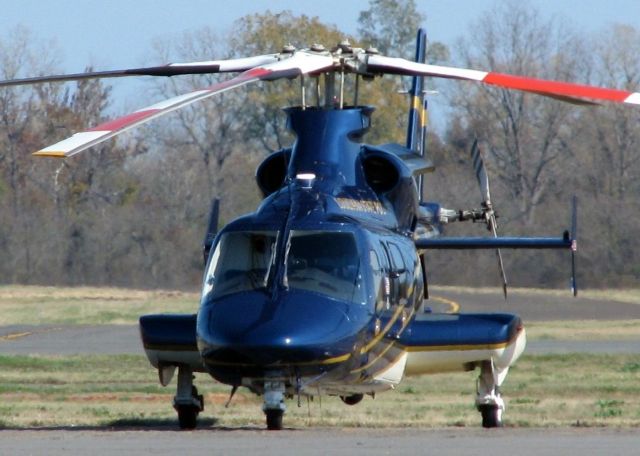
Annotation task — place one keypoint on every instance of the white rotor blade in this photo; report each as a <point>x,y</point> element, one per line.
<point>231,65</point>
<point>171,69</point>
<point>298,63</point>
<point>563,90</point>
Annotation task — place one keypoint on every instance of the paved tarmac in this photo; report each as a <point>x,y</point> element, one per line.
<point>538,306</point>
<point>311,442</point>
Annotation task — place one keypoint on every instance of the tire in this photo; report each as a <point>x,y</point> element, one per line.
<point>491,416</point>
<point>187,416</point>
<point>274,419</point>
<point>353,399</point>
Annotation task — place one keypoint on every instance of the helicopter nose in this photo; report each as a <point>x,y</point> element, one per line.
<point>251,329</point>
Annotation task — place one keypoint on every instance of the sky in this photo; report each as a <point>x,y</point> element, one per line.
<point>116,34</point>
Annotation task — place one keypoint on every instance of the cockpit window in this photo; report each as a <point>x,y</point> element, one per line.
<point>324,262</point>
<point>241,261</point>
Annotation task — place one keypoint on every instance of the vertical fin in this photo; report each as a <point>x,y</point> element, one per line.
<point>574,243</point>
<point>417,125</point>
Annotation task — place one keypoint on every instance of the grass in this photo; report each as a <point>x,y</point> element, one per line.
<point>123,391</point>
<point>34,305</point>
<point>587,330</point>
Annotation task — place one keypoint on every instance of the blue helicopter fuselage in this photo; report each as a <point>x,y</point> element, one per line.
<point>324,277</point>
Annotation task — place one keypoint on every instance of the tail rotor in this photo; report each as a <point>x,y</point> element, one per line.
<point>487,208</point>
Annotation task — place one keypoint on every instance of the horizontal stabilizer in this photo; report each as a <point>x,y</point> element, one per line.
<point>463,243</point>
<point>445,342</point>
<point>171,340</point>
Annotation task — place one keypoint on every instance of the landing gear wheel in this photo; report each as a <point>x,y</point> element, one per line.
<point>353,399</point>
<point>491,416</point>
<point>187,416</point>
<point>188,413</point>
<point>274,419</point>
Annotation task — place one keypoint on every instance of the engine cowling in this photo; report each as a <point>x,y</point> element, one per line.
<point>381,171</point>
<point>272,172</point>
<point>392,180</point>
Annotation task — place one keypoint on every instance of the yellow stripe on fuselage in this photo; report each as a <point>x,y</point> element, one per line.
<point>379,337</point>
<point>386,329</point>
<point>468,347</point>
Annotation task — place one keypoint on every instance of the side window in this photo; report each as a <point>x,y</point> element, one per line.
<point>388,295</point>
<point>396,258</point>
<point>378,273</point>
<point>376,268</point>
<point>402,275</point>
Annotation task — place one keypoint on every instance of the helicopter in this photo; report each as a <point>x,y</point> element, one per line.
<point>321,290</point>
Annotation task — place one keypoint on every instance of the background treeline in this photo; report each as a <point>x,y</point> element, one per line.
<point>132,212</point>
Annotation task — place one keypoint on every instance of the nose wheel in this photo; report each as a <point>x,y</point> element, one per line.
<point>274,419</point>
<point>274,405</point>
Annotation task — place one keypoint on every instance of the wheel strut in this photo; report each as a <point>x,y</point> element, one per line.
<point>488,400</point>
<point>187,402</point>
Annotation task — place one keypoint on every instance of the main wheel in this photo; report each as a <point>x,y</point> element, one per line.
<point>353,399</point>
<point>187,416</point>
<point>274,419</point>
<point>491,416</point>
<point>188,413</point>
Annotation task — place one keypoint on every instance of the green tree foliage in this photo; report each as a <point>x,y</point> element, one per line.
<point>264,120</point>
<point>390,26</point>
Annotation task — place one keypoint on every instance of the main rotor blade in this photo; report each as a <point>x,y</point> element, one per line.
<point>171,69</point>
<point>565,91</point>
<point>299,63</point>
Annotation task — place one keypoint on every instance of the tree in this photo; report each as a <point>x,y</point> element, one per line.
<point>391,25</point>
<point>19,107</point>
<point>262,33</point>
<point>527,137</point>
<point>607,162</point>
<point>613,128</point>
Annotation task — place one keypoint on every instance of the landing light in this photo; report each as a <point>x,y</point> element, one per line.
<point>306,179</point>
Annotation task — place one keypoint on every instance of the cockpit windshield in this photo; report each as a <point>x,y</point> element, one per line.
<point>324,262</point>
<point>241,261</point>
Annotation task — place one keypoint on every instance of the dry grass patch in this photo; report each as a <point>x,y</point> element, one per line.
<point>584,330</point>
<point>88,305</point>
<point>557,390</point>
